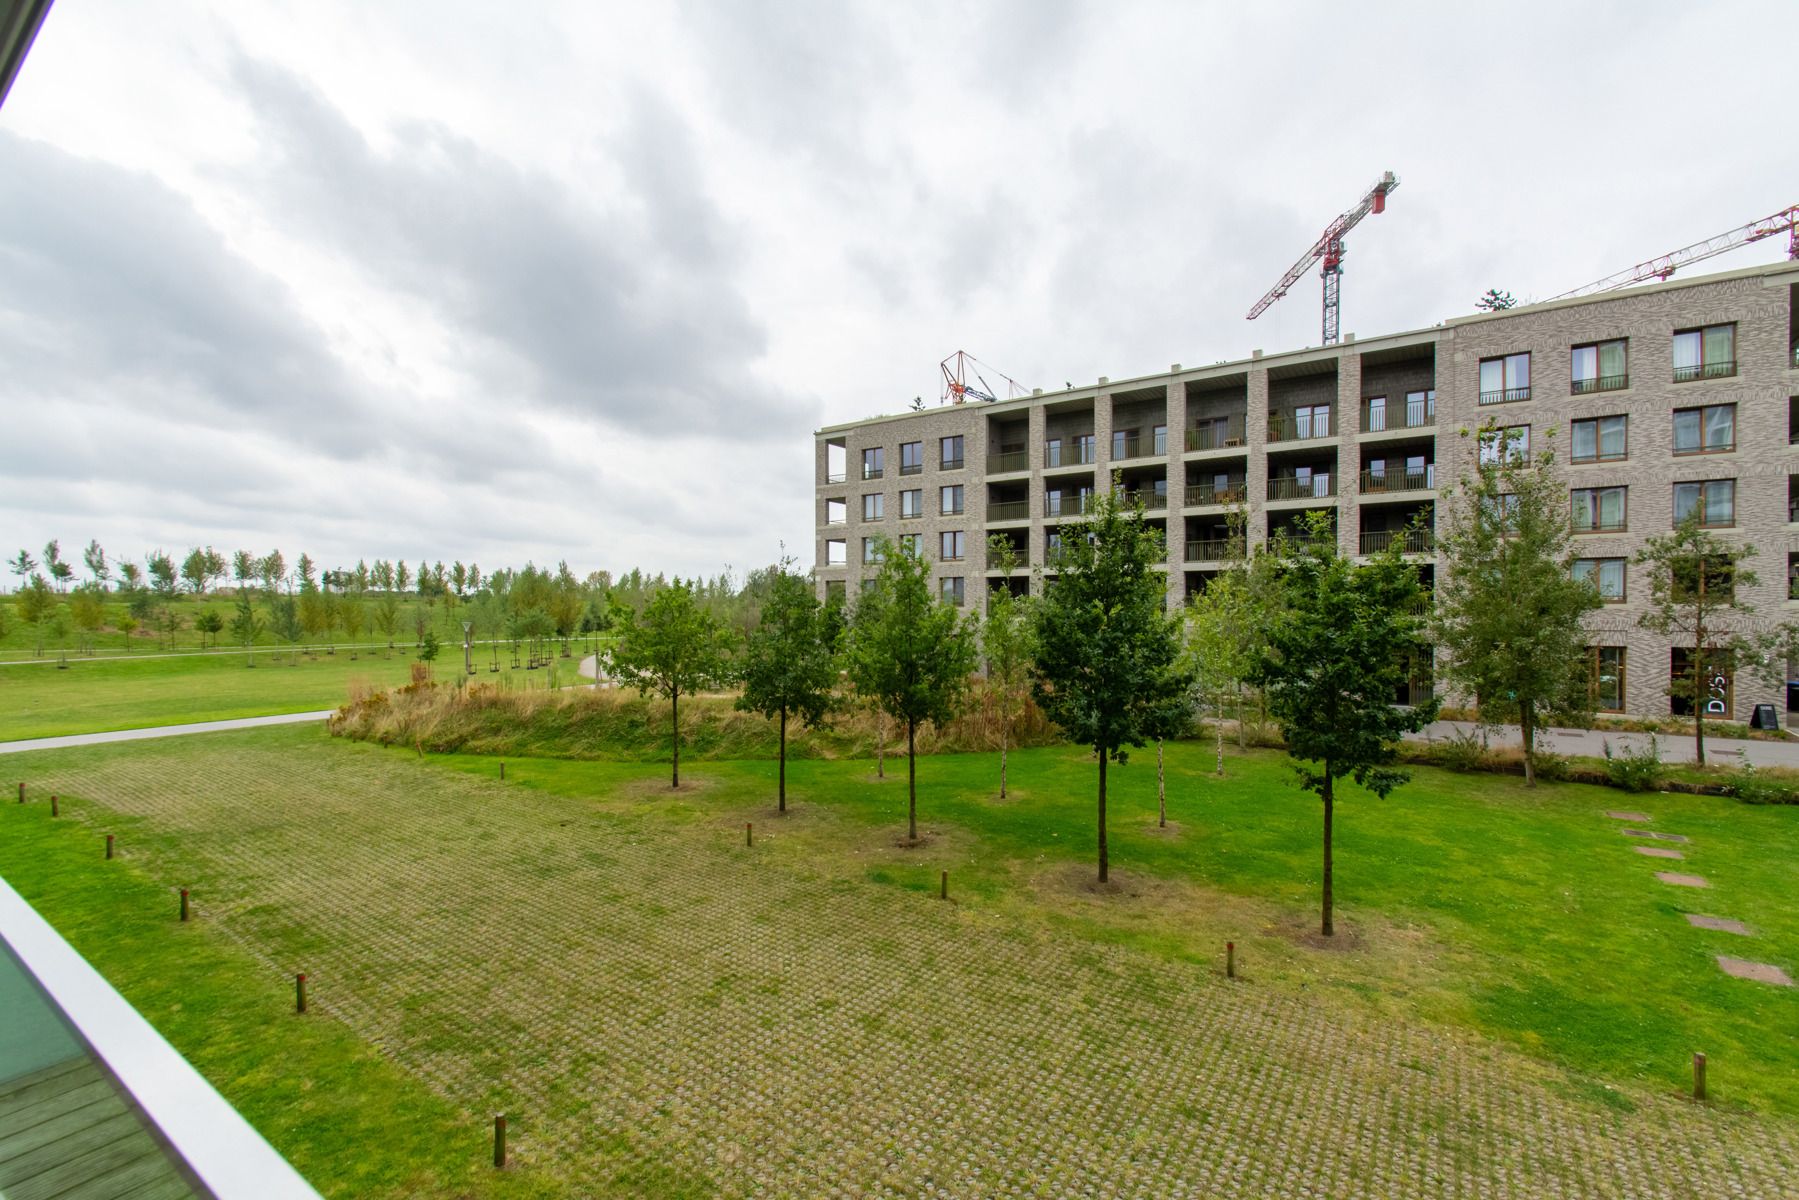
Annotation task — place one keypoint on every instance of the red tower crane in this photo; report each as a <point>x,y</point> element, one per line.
<point>1329,249</point>
<point>956,388</point>
<point>1785,221</point>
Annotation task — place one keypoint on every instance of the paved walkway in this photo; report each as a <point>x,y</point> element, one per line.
<point>1591,742</point>
<point>159,731</point>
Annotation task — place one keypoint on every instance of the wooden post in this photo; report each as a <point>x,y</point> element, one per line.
<point>748,835</point>
<point>300,993</point>
<point>54,810</point>
<point>109,845</point>
<point>502,772</point>
<point>499,1141</point>
<point>184,904</point>
<point>1698,1076</point>
<point>945,893</point>
<point>1230,960</point>
<point>21,791</point>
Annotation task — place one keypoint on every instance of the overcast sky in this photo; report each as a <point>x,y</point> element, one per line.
<point>541,281</point>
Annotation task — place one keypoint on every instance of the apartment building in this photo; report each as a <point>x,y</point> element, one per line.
<point>1677,396</point>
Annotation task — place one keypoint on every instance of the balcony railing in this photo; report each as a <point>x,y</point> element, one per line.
<point>1213,549</point>
<point>1217,435</point>
<point>1128,447</point>
<point>1392,416</point>
<point>911,468</point>
<point>1067,506</point>
<point>872,472</point>
<point>1291,427</point>
<point>1009,510</point>
<point>1211,493</point>
<point>1378,482</point>
<point>1409,541</point>
<point>1709,370</point>
<point>1008,460</point>
<point>1293,487</point>
<point>1069,454</point>
<point>1153,501</point>
<point>950,464</point>
<point>837,477</point>
<point>1599,383</point>
<point>1507,396</point>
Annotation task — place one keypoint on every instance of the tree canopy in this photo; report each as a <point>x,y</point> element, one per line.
<point>672,648</point>
<point>789,666</point>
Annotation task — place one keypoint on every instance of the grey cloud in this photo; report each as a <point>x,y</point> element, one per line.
<point>627,316</point>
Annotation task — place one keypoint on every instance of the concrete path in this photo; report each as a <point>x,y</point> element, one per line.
<point>1591,742</point>
<point>158,731</point>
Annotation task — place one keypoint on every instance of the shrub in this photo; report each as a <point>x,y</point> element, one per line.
<point>1553,767</point>
<point>1463,750</point>
<point>1639,770</point>
<point>1758,787</point>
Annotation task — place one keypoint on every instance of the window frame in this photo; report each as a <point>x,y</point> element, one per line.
<point>948,540</point>
<point>946,463</point>
<point>1704,369</point>
<point>1594,659</point>
<point>914,451</point>
<point>871,551</point>
<point>879,506</point>
<point>908,543</point>
<point>1624,522</point>
<point>1702,410</point>
<point>917,502</point>
<point>953,590</point>
<point>879,468</point>
<point>1598,382</point>
<point>1489,451</point>
<point>1597,563</point>
<point>1599,455</point>
<point>943,509</point>
<point>1509,391</point>
<point>1704,486</point>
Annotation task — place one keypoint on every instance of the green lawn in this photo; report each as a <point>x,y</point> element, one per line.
<point>93,695</point>
<point>1512,1004</point>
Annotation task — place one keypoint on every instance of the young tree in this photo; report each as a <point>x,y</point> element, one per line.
<point>244,568</point>
<point>60,570</point>
<point>1108,667</point>
<point>246,625</point>
<point>162,574</point>
<point>1220,647</point>
<point>1696,586</point>
<point>88,611</point>
<point>909,655</point>
<point>97,566</point>
<point>35,602</point>
<point>193,570</point>
<point>1336,660</point>
<point>402,578</point>
<point>387,615</point>
<point>126,625</point>
<point>428,648</point>
<point>1495,300</point>
<point>1509,615</point>
<point>211,621</point>
<point>1005,642</point>
<point>673,647</point>
<point>789,661</point>
<point>22,565</point>
<point>352,616</point>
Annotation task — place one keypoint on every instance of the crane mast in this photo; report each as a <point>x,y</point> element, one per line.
<point>1662,266</point>
<point>1329,250</point>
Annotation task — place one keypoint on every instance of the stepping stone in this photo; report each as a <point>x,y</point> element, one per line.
<point>1660,837</point>
<point>1624,816</point>
<point>1682,880</point>
<point>1721,924</point>
<point>1657,852</point>
<point>1742,968</point>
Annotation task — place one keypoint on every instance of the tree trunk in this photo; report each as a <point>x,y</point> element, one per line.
<point>880,745</point>
<point>1699,688</point>
<point>1221,741</point>
<point>911,783</point>
<point>1004,729</point>
<point>1161,789</point>
<point>1103,857</point>
<point>783,768</point>
<point>1242,736</point>
<point>1329,930</point>
<point>1527,726</point>
<point>674,728</point>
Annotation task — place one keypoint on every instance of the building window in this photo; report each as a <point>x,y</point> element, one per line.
<point>1715,500</point>
<point>949,545</point>
<point>1606,664</point>
<point>1718,578</point>
<point>950,500</point>
<point>1159,439</point>
<point>1052,545</point>
<point>834,590</point>
<point>911,458</point>
<point>1052,452</point>
<point>1505,379</point>
<point>1606,574</point>
<point>874,506</point>
<point>871,550</point>
<point>1601,439</point>
<point>1085,448</point>
<point>1503,511</point>
<point>1715,683</point>
<point>1313,421</point>
<point>1793,574</point>
<point>1708,353</point>
<point>952,590</point>
<point>1599,510</point>
<point>1125,443</point>
<point>1511,444</point>
<point>836,512</point>
<point>1375,419</point>
<point>911,504</point>
<point>949,453</point>
<point>836,552</point>
<point>908,544</point>
<point>872,461</point>
<point>1708,430</point>
<point>1600,367</point>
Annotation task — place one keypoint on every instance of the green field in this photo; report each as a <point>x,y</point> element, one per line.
<point>665,1011</point>
<point>93,695</point>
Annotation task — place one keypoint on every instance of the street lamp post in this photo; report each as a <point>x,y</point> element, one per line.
<point>468,662</point>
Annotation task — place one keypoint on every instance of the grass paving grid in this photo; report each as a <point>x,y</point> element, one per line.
<point>661,992</point>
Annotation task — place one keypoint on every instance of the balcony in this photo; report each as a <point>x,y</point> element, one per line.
<point>1375,483</point>
<point>1009,510</point>
<point>1078,453</point>
<point>1152,500</point>
<point>1710,370</point>
<point>1218,434</point>
<point>1067,506</point>
<point>1299,427</point>
<point>1409,541</point>
<point>1507,396</point>
<point>1214,549</point>
<point>1008,460</point>
<point>1210,493</point>
<point>837,477</point>
<point>1389,417</point>
<point>1310,487</point>
<point>1599,383</point>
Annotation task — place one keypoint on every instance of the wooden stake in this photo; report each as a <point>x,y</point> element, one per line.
<point>1230,960</point>
<point>499,1141</point>
<point>945,893</point>
<point>1698,1076</point>
<point>299,993</point>
<point>184,904</point>
<point>54,810</point>
<point>109,845</point>
<point>502,772</point>
<point>748,835</point>
<point>21,791</point>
